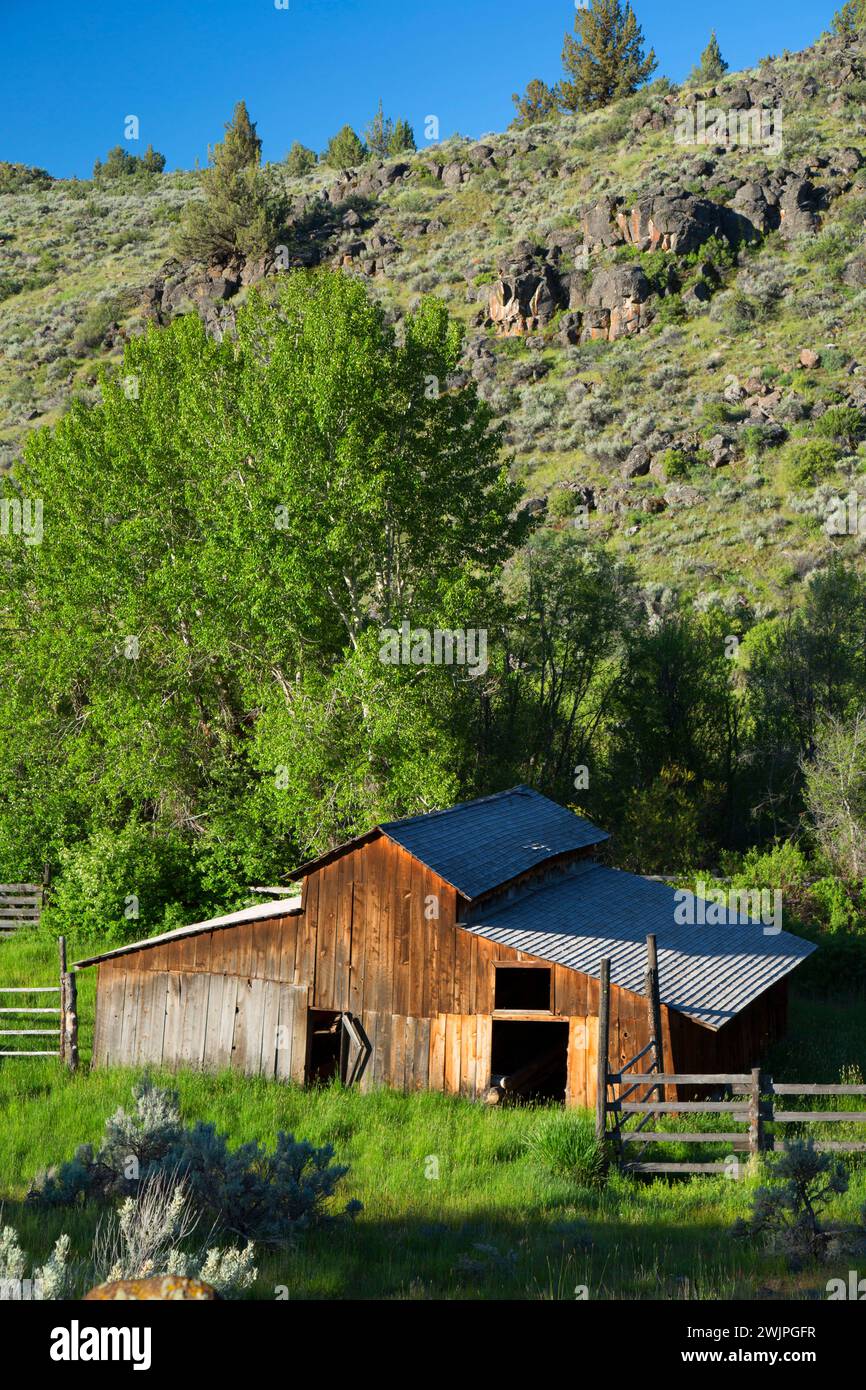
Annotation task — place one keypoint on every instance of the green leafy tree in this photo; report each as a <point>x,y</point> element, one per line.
<point>153,161</point>
<point>194,647</point>
<point>239,215</point>
<point>712,66</point>
<point>538,103</point>
<point>300,160</point>
<point>835,793</point>
<point>345,150</point>
<point>605,59</point>
<point>119,163</point>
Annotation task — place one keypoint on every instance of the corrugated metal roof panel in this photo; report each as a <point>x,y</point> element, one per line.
<point>710,972</point>
<point>479,845</point>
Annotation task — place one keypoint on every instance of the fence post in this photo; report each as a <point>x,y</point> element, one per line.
<point>654,1011</point>
<point>69,996</point>
<point>603,1043</point>
<point>756,1118</point>
<point>61,951</point>
<point>46,882</point>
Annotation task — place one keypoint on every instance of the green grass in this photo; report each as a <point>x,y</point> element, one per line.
<point>460,1200</point>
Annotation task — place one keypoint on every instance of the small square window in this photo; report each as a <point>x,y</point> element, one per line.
<point>522,987</point>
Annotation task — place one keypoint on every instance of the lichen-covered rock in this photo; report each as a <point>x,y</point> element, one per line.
<point>166,1287</point>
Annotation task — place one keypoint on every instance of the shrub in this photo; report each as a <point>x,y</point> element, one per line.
<point>676,463</point>
<point>122,884</point>
<point>842,423</point>
<point>261,1196</point>
<point>22,178</point>
<point>567,1144</point>
<point>787,1216</point>
<point>810,460</point>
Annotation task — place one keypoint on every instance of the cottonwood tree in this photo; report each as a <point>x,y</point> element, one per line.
<point>605,58</point>
<point>835,793</point>
<point>250,516</point>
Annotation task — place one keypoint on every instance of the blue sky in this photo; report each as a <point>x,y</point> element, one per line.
<point>71,72</point>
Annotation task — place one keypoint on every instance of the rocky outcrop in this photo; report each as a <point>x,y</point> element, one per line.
<point>527,294</point>
<point>617,303</point>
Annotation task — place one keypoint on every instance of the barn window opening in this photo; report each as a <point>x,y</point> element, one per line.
<point>529,1061</point>
<point>324,1046</point>
<point>521,987</point>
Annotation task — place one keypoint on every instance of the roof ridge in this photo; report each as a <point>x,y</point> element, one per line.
<point>520,790</point>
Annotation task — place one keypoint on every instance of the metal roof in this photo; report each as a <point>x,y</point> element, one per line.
<point>479,845</point>
<point>710,973</point>
<point>285,907</point>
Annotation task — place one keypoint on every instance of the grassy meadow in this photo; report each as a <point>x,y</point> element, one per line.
<point>457,1204</point>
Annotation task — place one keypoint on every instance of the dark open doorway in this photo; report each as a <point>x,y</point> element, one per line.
<point>530,1060</point>
<point>324,1046</point>
<point>337,1047</point>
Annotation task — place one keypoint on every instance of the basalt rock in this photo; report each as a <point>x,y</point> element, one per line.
<point>167,1288</point>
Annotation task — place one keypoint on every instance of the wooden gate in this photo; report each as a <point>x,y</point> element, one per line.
<point>21,904</point>
<point>65,1009</point>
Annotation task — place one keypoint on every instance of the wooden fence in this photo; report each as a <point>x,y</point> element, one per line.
<point>66,1010</point>
<point>21,904</point>
<point>752,1100</point>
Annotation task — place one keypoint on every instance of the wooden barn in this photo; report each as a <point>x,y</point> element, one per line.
<point>451,950</point>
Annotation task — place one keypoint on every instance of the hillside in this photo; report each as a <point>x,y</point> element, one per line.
<point>672,331</point>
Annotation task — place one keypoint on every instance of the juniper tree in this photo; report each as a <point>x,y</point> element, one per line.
<point>402,137</point>
<point>537,103</point>
<point>605,59</point>
<point>237,216</point>
<point>345,150</point>
<point>712,65</point>
<point>300,160</point>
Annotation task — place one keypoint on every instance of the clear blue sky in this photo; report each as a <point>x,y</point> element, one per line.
<point>72,70</point>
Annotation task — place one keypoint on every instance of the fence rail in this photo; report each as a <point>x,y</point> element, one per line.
<point>66,1010</point>
<point>751,1099</point>
<point>759,1107</point>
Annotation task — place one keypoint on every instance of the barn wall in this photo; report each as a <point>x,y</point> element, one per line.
<point>226,998</point>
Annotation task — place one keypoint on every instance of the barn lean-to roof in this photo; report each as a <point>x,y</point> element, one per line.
<point>281,907</point>
<point>709,972</point>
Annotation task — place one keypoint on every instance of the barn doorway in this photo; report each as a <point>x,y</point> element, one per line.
<point>324,1046</point>
<point>530,1060</point>
<point>337,1047</point>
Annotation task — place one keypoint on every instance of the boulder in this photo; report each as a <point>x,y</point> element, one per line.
<point>809,358</point>
<point>527,294</point>
<point>637,464</point>
<point>798,207</point>
<point>681,222</point>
